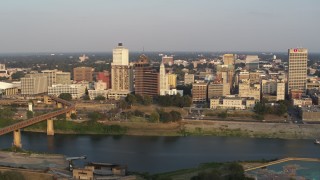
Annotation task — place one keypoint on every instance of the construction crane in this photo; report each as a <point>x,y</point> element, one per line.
<point>71,159</point>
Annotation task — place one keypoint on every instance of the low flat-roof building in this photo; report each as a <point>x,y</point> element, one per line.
<point>76,90</point>
<point>231,102</point>
<point>310,113</point>
<point>8,89</point>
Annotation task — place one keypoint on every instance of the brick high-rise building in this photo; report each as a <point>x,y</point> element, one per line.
<point>146,78</point>
<point>83,74</point>
<point>105,77</point>
<point>199,92</point>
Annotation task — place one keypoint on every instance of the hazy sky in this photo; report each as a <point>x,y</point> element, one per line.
<point>159,25</point>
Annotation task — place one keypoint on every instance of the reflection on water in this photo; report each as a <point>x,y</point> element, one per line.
<point>159,154</point>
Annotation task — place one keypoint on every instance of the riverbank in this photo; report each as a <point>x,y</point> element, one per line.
<point>193,128</point>
<point>222,128</point>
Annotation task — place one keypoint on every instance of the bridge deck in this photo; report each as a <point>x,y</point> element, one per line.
<point>40,118</point>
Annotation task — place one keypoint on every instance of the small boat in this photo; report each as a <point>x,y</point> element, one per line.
<point>316,141</point>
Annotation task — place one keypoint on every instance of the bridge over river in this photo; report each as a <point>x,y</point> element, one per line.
<point>64,106</point>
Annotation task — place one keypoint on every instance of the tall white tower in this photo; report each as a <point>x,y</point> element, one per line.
<point>121,72</point>
<point>163,80</point>
<point>120,56</point>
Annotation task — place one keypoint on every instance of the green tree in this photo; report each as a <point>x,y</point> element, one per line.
<point>94,116</point>
<point>165,117</point>
<point>73,116</point>
<point>86,97</point>
<point>154,117</point>
<point>65,96</point>
<point>131,99</point>
<point>186,89</point>
<point>187,101</point>
<point>11,175</point>
<point>86,92</point>
<point>29,114</point>
<point>175,116</point>
<point>138,113</point>
<point>139,98</point>
<point>100,98</point>
<point>234,171</point>
<point>147,100</point>
<point>223,115</point>
<point>17,75</point>
<point>260,108</point>
<point>124,104</point>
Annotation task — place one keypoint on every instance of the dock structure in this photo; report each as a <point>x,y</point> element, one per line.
<point>282,161</point>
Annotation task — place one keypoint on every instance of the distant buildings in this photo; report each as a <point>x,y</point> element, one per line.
<point>246,89</point>
<point>167,60</point>
<point>83,58</point>
<point>3,71</point>
<point>252,62</point>
<point>172,80</point>
<point>83,74</point>
<point>297,72</point>
<point>228,59</point>
<point>188,78</point>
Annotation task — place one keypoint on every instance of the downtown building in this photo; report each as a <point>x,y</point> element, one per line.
<point>57,77</point>
<point>83,74</point>
<point>163,80</point>
<point>228,59</point>
<point>146,78</point>
<point>76,90</point>
<point>199,92</point>
<point>297,72</point>
<point>121,73</point>
<point>34,84</point>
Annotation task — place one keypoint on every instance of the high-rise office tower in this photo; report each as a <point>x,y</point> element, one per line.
<point>297,72</point>
<point>121,73</point>
<point>146,78</point>
<point>163,80</point>
<point>228,59</point>
<point>33,84</point>
<point>172,81</point>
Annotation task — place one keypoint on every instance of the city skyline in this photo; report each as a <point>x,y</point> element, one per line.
<point>86,26</point>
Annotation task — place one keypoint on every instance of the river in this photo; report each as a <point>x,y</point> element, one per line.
<point>160,154</point>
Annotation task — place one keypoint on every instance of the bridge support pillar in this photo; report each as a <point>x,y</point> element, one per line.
<point>50,127</point>
<point>68,115</point>
<point>17,138</point>
<point>73,112</point>
<point>59,105</point>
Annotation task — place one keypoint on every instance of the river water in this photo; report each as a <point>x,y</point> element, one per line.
<point>160,154</point>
